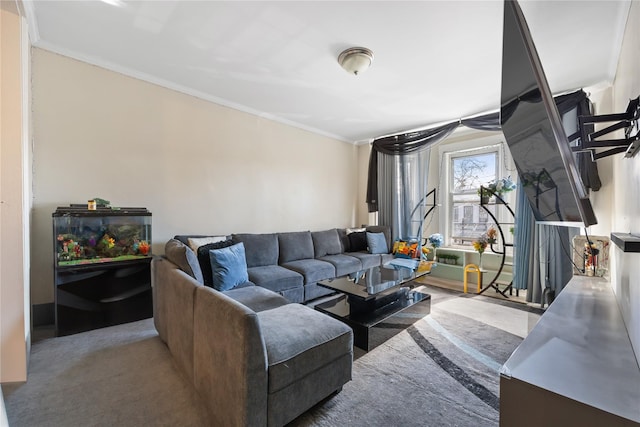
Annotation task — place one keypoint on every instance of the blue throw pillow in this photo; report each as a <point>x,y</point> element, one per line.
<point>377,243</point>
<point>204,259</point>
<point>228,267</point>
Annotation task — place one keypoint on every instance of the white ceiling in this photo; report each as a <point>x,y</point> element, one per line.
<point>435,61</point>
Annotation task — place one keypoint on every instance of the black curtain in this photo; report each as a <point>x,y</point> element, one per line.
<point>413,141</point>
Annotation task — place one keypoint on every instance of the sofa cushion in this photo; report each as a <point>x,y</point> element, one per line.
<point>228,267</point>
<point>326,243</point>
<point>294,246</point>
<point>344,264</point>
<point>257,298</point>
<point>368,260</point>
<point>344,240</point>
<point>312,269</point>
<point>357,241</point>
<point>299,341</point>
<point>275,278</point>
<point>204,259</point>
<point>182,256</point>
<point>377,243</point>
<point>260,249</point>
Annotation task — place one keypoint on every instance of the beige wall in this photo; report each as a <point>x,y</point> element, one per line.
<point>197,166</point>
<point>625,188</point>
<point>14,190</point>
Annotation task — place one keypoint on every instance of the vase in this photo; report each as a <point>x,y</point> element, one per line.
<point>480,261</point>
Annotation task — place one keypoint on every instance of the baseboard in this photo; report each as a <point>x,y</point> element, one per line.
<point>43,314</point>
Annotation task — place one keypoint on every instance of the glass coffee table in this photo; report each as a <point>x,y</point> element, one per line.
<point>378,303</point>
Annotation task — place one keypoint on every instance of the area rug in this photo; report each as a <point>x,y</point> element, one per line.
<point>442,371</point>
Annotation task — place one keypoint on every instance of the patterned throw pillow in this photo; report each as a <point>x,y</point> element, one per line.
<point>404,249</point>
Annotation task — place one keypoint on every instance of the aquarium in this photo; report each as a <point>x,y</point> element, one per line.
<point>86,237</point>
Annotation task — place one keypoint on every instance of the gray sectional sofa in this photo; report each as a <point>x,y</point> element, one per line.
<point>254,355</point>
<point>292,263</point>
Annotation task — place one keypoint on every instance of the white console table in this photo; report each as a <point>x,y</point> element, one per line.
<point>576,367</point>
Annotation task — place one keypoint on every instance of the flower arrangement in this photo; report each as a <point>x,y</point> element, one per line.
<point>492,234</point>
<point>499,186</point>
<point>480,244</point>
<point>436,240</point>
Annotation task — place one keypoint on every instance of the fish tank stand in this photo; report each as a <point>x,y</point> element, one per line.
<point>101,267</point>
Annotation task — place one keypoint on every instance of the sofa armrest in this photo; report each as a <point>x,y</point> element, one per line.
<point>230,360</point>
<point>173,297</point>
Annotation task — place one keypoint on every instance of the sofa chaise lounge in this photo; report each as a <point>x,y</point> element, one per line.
<point>254,358</point>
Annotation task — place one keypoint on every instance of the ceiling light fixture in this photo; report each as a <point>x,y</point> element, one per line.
<point>356,60</point>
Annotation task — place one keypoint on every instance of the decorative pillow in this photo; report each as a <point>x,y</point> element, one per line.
<point>404,249</point>
<point>196,242</point>
<point>377,243</point>
<point>355,230</point>
<point>205,260</point>
<point>180,254</point>
<point>357,241</point>
<point>228,267</point>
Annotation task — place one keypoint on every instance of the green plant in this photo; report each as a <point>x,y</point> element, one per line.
<point>498,186</point>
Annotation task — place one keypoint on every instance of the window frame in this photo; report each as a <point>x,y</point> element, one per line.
<point>480,145</point>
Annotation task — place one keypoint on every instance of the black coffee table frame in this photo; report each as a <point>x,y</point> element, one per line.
<point>375,318</point>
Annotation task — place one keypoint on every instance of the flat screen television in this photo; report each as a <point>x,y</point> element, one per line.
<point>533,130</point>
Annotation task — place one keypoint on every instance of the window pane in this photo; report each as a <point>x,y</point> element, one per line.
<point>470,172</point>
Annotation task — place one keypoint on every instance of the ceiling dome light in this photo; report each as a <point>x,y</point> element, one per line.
<point>356,60</point>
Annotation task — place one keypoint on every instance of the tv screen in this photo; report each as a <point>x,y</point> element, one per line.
<point>533,130</point>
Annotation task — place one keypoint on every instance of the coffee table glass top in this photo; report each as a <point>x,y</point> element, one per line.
<point>376,281</point>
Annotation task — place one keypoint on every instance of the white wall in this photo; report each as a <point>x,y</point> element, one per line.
<point>625,188</point>
<point>197,166</point>
<point>14,193</point>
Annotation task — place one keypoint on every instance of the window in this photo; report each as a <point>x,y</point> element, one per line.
<point>468,169</point>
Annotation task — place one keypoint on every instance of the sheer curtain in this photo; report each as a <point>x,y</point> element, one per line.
<point>402,185</point>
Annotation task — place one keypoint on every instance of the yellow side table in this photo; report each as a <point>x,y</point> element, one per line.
<point>472,268</point>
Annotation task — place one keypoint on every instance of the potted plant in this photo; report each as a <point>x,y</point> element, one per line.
<point>453,259</point>
<point>492,235</point>
<point>442,258</point>
<point>497,187</point>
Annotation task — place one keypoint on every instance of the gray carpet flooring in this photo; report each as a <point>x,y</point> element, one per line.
<point>442,371</point>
